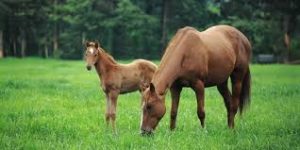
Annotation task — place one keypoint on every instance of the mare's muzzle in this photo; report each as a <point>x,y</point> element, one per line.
<point>146,132</point>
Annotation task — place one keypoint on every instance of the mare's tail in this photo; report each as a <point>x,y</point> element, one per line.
<point>245,92</point>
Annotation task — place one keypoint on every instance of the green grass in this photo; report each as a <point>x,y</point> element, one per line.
<point>54,104</point>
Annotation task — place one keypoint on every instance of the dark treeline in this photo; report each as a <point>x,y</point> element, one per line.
<point>141,28</point>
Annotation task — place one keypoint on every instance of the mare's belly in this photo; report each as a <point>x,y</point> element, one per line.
<point>218,74</point>
<point>214,75</point>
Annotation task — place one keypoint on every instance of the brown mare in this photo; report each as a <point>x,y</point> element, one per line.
<point>117,78</point>
<point>198,60</point>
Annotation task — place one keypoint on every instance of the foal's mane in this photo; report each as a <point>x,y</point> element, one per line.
<point>101,50</point>
<point>108,56</point>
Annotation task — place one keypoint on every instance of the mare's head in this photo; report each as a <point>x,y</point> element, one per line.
<point>153,109</point>
<point>91,54</point>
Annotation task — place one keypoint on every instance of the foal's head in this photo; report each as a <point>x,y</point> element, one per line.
<point>91,54</point>
<point>153,109</point>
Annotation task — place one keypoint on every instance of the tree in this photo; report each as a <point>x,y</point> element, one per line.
<point>164,21</point>
<point>140,29</point>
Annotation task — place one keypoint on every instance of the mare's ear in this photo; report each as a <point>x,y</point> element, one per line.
<point>143,86</point>
<point>97,44</point>
<point>152,88</point>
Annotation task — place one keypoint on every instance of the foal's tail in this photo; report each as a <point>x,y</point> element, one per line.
<point>246,91</point>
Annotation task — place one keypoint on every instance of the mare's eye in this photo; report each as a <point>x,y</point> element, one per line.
<point>149,107</point>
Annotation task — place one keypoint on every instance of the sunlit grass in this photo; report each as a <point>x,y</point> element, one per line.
<point>54,104</point>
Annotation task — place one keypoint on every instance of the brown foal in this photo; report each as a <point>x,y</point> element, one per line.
<point>117,78</point>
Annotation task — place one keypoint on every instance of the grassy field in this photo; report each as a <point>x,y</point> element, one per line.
<point>54,104</point>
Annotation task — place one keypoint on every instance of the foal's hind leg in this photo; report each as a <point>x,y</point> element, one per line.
<point>175,94</point>
<point>224,91</point>
<point>199,90</point>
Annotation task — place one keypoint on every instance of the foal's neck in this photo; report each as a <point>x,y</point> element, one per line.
<point>104,64</point>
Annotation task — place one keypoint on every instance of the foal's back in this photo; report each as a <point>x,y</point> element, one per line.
<point>134,74</point>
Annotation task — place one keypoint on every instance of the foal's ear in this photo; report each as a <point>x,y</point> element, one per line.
<point>152,88</point>
<point>143,86</point>
<point>97,44</point>
<point>87,44</point>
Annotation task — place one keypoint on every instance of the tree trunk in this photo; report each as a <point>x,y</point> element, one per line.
<point>1,44</point>
<point>15,47</point>
<point>83,38</point>
<point>286,20</point>
<point>110,40</point>
<point>46,51</point>
<point>289,23</point>
<point>287,43</point>
<point>23,43</point>
<point>55,42</point>
<point>164,22</point>
<point>55,36</point>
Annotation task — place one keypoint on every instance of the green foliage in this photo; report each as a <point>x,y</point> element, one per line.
<point>134,28</point>
<point>260,33</point>
<point>58,105</point>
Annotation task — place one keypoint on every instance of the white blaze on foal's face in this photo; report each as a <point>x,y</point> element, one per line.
<point>91,50</point>
<point>91,56</point>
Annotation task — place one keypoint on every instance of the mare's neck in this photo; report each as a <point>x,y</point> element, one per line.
<point>104,64</point>
<point>164,78</point>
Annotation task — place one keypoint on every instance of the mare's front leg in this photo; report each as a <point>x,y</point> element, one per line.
<point>175,95</point>
<point>113,97</point>
<point>199,91</point>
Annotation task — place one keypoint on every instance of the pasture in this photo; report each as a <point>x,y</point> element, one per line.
<point>56,104</point>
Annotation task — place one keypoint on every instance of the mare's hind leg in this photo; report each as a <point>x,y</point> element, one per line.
<point>175,94</point>
<point>224,91</point>
<point>236,81</point>
<point>199,90</point>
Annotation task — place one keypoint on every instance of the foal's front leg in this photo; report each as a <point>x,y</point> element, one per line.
<point>199,90</point>
<point>107,113</point>
<point>113,96</point>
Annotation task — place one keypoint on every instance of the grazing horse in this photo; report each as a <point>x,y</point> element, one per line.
<point>198,60</point>
<point>117,78</point>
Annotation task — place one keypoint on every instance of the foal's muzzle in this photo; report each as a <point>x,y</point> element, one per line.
<point>88,68</point>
